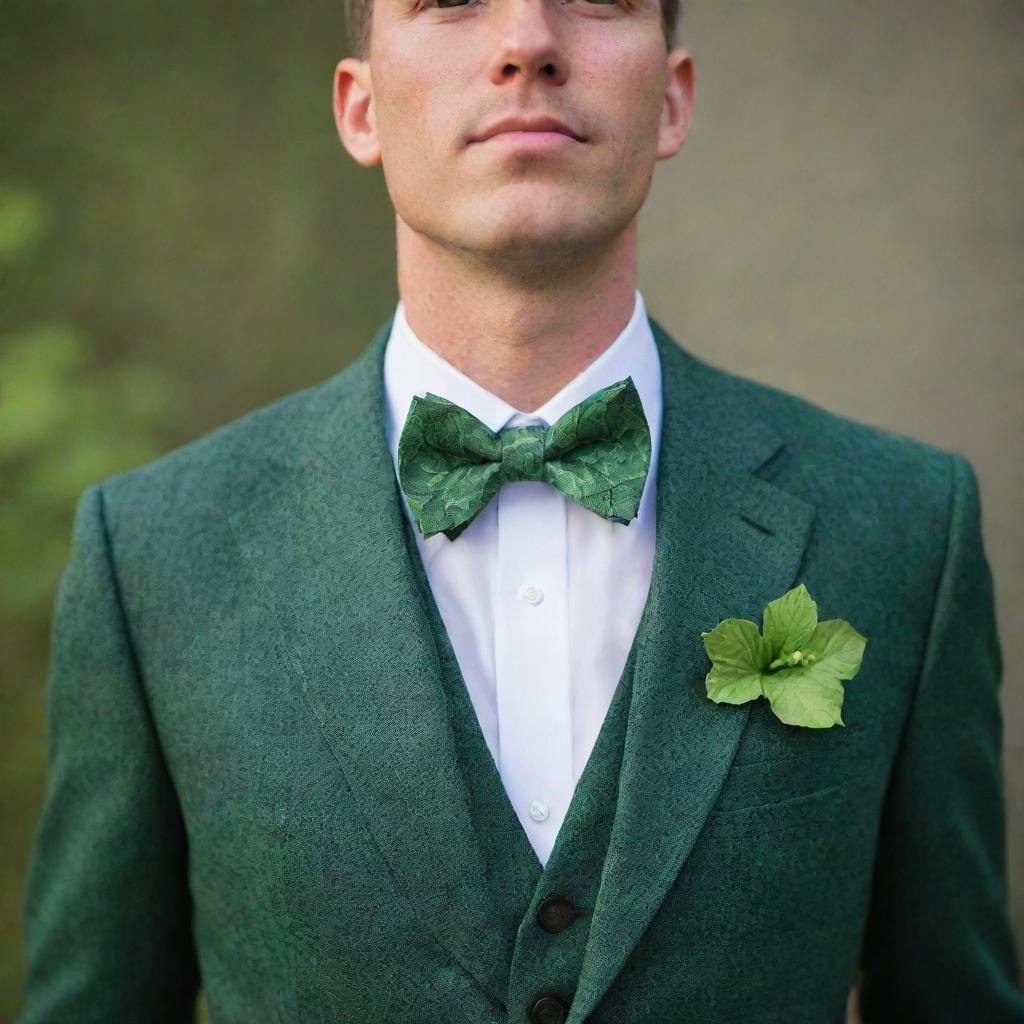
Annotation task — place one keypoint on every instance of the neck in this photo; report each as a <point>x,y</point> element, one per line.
<point>522,330</point>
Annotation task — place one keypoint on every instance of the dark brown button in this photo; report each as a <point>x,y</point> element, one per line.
<point>549,1008</point>
<point>555,913</point>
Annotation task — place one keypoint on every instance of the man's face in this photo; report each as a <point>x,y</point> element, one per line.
<point>441,72</point>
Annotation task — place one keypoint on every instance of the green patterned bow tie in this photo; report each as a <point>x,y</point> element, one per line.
<point>450,464</point>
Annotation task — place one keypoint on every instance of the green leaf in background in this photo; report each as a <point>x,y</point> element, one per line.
<point>24,217</point>
<point>798,664</point>
<point>35,366</point>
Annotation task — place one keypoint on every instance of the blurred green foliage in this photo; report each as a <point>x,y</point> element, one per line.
<point>62,426</point>
<point>23,218</point>
<point>64,423</point>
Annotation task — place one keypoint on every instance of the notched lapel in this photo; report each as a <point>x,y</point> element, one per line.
<point>728,542</point>
<point>328,550</point>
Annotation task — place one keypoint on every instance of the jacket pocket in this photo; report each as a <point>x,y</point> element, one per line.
<point>774,788</point>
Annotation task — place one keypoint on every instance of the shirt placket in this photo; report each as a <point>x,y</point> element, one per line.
<point>532,658</point>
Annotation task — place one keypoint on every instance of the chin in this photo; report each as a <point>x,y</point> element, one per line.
<point>531,221</point>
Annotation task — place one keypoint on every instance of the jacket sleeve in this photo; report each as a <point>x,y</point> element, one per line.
<point>938,945</point>
<point>106,911</point>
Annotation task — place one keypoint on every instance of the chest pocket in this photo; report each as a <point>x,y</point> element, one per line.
<point>787,792</point>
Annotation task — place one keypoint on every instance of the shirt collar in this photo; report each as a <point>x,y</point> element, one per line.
<point>411,368</point>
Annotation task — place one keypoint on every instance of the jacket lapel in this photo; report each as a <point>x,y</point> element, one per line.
<point>327,546</point>
<point>727,543</point>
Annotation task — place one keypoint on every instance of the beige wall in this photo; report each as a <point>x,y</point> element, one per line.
<point>846,221</point>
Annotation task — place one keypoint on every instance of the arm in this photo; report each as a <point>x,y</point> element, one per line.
<point>938,946</point>
<point>106,910</point>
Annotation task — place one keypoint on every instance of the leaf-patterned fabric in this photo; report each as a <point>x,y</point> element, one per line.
<point>451,464</point>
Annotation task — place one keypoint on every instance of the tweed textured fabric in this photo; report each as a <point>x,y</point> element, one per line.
<point>255,781</point>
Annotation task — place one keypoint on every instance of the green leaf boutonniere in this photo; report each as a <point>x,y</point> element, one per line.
<point>798,663</point>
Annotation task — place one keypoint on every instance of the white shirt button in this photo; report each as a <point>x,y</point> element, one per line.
<point>539,810</point>
<point>531,593</point>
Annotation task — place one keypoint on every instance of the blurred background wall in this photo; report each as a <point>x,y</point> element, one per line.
<point>183,238</point>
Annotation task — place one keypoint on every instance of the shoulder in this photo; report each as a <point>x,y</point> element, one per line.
<point>192,486</point>
<point>831,456</point>
<point>884,501</point>
<point>890,510</point>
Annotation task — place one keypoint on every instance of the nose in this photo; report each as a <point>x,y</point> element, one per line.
<point>528,44</point>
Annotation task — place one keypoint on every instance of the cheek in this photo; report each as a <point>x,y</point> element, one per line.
<point>418,121</point>
<point>406,149</point>
<point>417,155</point>
<point>625,94</point>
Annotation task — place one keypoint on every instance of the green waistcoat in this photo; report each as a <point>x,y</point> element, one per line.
<point>537,960</point>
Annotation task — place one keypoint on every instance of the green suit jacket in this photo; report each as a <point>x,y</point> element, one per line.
<point>253,784</point>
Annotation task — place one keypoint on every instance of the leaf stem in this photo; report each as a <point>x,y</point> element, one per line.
<point>796,658</point>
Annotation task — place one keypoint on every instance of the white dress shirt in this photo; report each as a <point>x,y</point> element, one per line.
<point>540,596</point>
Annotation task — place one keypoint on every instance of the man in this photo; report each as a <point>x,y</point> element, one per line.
<point>388,702</point>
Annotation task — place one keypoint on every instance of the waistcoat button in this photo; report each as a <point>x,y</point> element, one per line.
<point>549,1008</point>
<point>555,913</point>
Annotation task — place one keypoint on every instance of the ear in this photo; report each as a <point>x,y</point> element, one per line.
<point>677,109</point>
<point>353,110</point>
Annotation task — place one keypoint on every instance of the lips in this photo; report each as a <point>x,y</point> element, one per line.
<point>528,124</point>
